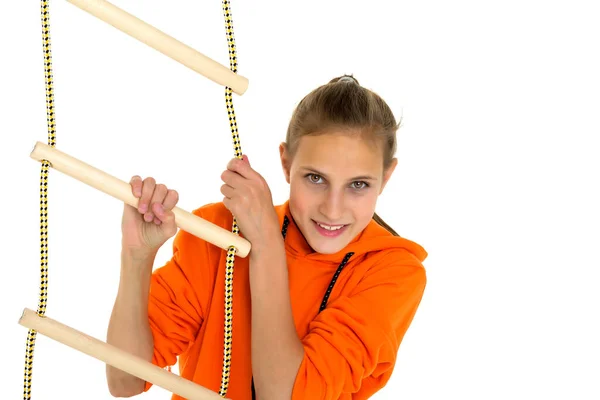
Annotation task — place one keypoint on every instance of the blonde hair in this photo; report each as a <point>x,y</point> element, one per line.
<point>343,104</point>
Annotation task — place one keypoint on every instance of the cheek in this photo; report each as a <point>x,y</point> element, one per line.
<point>299,199</point>
<point>364,206</point>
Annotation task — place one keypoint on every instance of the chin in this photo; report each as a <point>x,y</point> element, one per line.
<point>326,249</point>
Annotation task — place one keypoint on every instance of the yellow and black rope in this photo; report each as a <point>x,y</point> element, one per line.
<point>51,122</point>
<point>237,149</point>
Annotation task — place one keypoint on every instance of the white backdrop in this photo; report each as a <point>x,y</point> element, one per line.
<point>497,177</point>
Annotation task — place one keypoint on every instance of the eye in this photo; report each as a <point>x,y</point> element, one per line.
<point>313,178</point>
<point>363,185</point>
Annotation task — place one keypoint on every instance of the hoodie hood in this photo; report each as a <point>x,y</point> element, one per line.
<point>372,239</point>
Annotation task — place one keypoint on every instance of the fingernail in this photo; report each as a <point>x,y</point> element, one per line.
<point>143,208</point>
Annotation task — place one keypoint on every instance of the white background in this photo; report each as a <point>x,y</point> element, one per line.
<point>497,177</point>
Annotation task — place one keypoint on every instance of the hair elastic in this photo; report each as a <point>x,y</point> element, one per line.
<point>347,78</point>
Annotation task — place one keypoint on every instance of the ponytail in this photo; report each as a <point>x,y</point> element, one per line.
<point>378,219</point>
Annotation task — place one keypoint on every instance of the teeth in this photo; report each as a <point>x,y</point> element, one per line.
<point>330,228</point>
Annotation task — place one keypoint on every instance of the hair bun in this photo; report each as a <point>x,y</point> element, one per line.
<point>345,78</point>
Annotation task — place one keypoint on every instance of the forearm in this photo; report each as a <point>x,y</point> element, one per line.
<point>129,328</point>
<point>277,351</point>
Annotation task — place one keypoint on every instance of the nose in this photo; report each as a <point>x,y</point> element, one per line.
<point>332,206</point>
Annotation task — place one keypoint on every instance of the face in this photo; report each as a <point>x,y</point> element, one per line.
<point>335,180</point>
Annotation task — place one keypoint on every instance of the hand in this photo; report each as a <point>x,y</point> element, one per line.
<point>148,227</point>
<point>249,199</point>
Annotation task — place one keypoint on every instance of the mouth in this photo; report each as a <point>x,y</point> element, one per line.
<point>329,230</point>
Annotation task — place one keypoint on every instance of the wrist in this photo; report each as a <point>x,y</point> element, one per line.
<point>137,255</point>
<point>271,245</point>
<point>136,265</point>
<point>135,275</point>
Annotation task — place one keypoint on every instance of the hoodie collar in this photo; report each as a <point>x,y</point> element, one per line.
<point>373,238</point>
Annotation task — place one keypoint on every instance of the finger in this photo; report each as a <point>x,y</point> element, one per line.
<point>160,214</point>
<point>228,205</point>
<point>136,185</point>
<point>227,191</point>
<point>232,178</point>
<point>164,217</point>
<point>147,191</point>
<point>161,211</point>
<point>241,167</point>
<point>160,191</point>
<point>171,199</point>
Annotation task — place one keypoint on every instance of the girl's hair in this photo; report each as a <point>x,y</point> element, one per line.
<point>343,104</point>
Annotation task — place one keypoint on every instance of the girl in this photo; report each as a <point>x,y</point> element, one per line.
<point>324,298</point>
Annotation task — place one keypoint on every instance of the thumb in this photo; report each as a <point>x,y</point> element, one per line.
<point>245,158</point>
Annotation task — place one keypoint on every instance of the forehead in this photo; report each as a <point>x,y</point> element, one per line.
<point>339,151</point>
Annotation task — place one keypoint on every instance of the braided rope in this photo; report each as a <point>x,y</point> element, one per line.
<point>237,148</point>
<point>43,295</point>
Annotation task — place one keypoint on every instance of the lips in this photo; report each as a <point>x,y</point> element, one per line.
<point>329,230</point>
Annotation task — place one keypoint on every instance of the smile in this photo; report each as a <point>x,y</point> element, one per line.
<point>331,227</point>
<point>329,230</point>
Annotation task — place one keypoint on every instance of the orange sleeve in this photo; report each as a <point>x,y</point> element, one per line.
<point>176,299</point>
<point>351,346</point>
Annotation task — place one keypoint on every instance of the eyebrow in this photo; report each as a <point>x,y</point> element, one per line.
<point>356,178</point>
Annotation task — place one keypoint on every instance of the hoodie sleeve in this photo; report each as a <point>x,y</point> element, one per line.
<point>351,345</point>
<point>176,305</point>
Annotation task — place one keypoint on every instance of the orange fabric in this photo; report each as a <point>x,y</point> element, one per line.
<point>350,347</point>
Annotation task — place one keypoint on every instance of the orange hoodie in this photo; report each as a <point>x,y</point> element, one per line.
<point>350,338</point>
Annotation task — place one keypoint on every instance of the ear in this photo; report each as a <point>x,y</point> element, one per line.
<point>388,173</point>
<point>285,162</point>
